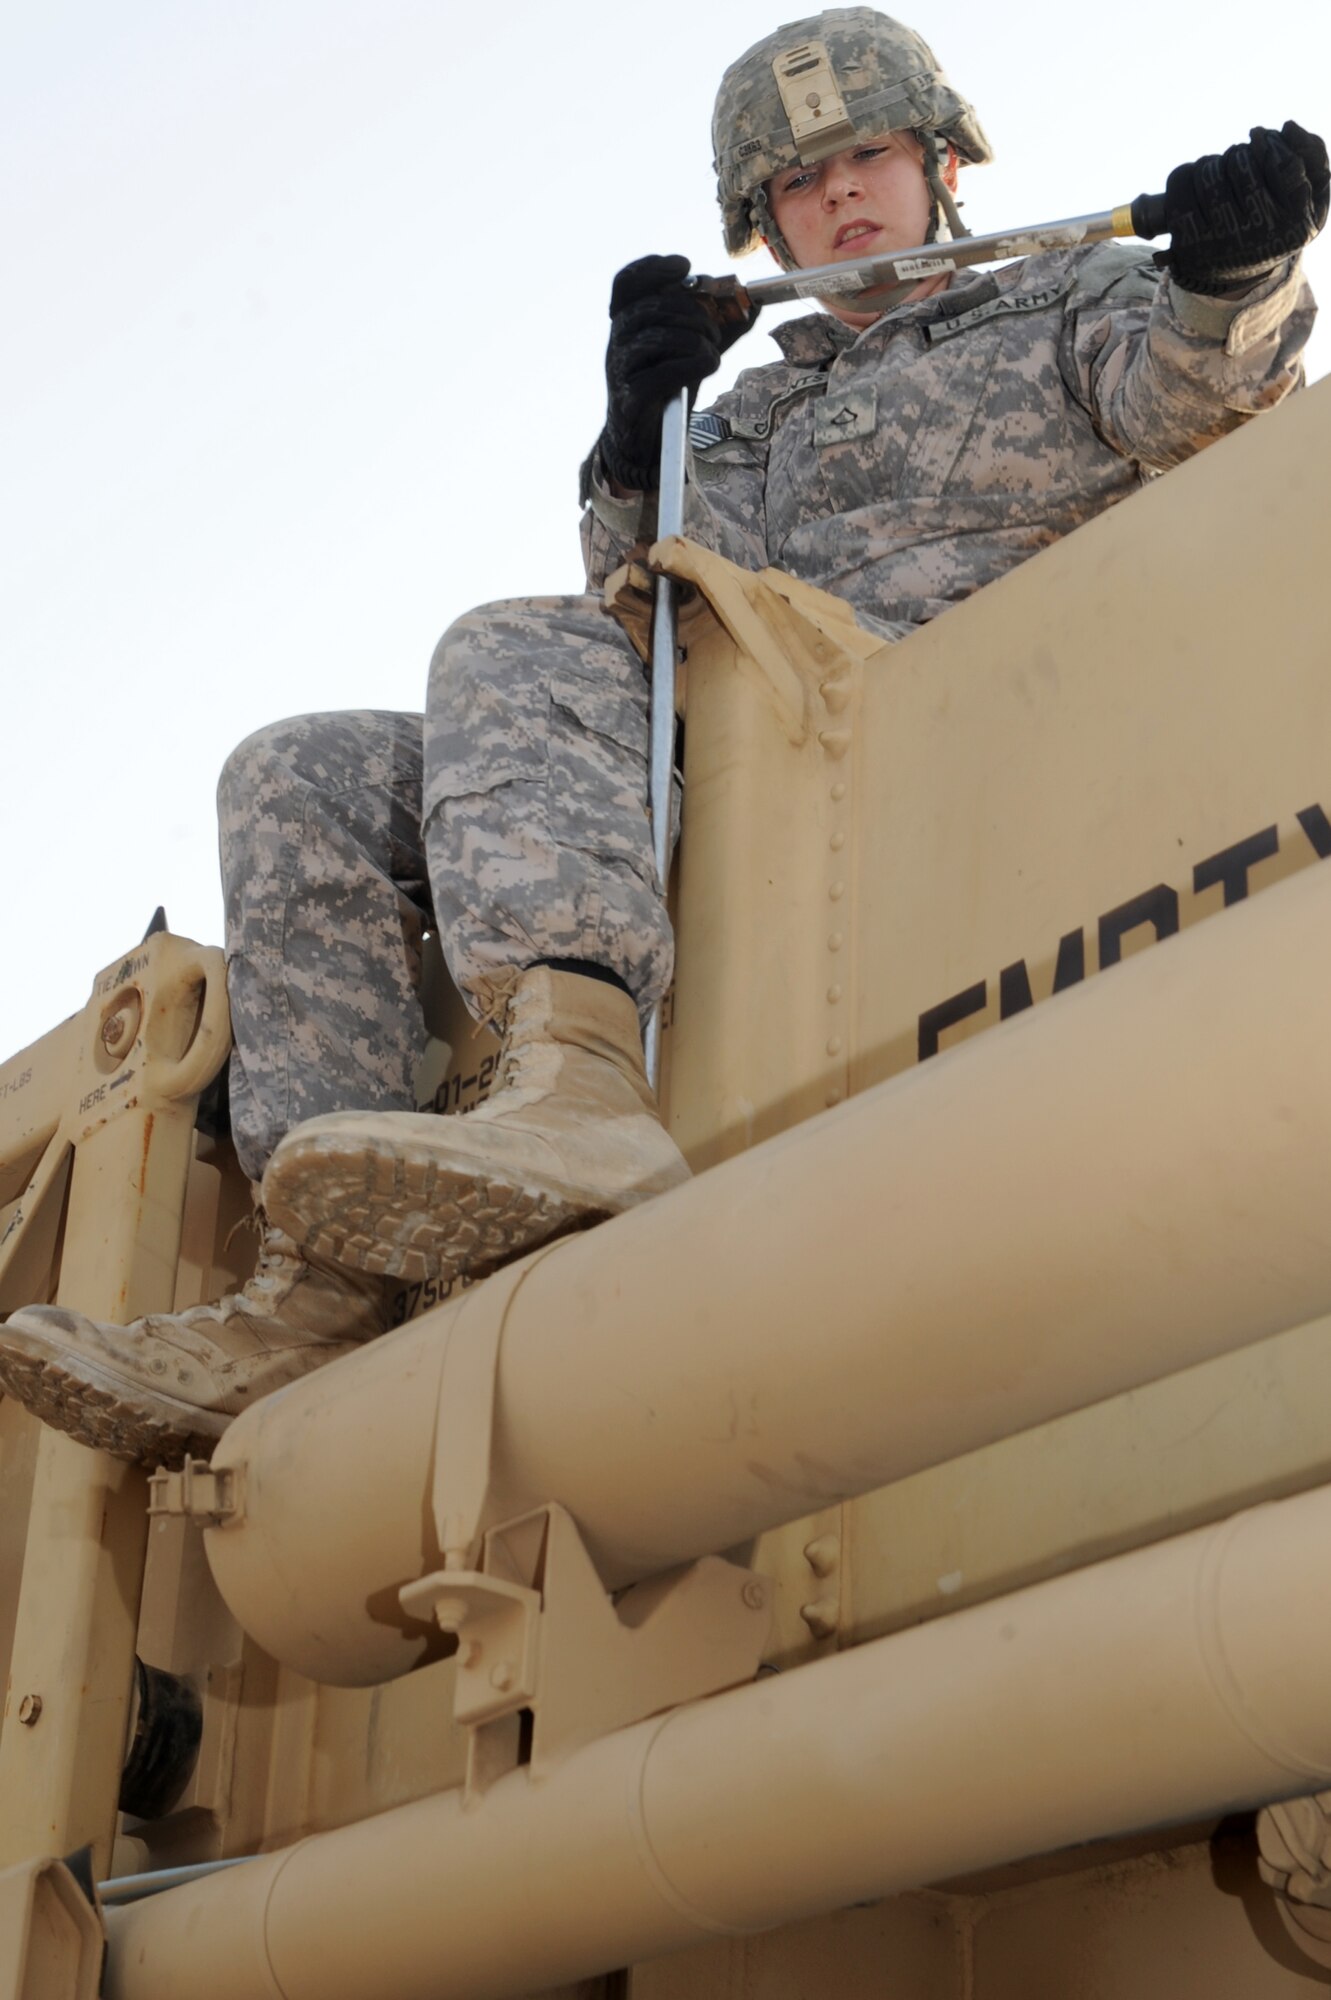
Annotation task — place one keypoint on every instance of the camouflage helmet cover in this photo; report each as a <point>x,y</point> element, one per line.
<point>883,78</point>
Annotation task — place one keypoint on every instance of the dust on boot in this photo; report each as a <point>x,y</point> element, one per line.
<point>570,1135</point>
<point>166,1387</point>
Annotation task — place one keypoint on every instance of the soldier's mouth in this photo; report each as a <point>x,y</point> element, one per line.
<point>854,232</point>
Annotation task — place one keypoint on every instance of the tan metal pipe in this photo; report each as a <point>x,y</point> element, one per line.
<point>1180,1681</point>
<point>1126,1180</point>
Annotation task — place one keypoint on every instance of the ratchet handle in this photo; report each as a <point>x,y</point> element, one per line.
<point>727,301</point>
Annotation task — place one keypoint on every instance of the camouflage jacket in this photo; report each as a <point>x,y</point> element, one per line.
<point>905,466</point>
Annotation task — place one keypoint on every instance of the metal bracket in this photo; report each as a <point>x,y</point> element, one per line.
<point>546,1661</point>
<point>154,1033</point>
<point>539,1637</point>
<point>52,1939</point>
<point>811,96</point>
<point>208,1498</point>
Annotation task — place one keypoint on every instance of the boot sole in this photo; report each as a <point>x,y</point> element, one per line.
<point>90,1404</point>
<point>406,1214</point>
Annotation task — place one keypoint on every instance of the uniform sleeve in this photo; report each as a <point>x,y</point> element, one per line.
<point>1162,372</point>
<point>611,527</point>
<point>725,506</point>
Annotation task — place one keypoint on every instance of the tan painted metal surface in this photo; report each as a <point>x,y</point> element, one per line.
<point>1065,765</point>
<point>1173,1682</point>
<point>1189,1921</point>
<point>1102,728</point>
<point>664,1377</point>
<point>153,1033</point>
<point>51,1937</point>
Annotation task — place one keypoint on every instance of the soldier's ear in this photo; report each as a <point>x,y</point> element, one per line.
<point>950,170</point>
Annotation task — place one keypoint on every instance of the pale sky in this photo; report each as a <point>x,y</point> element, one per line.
<point>302,345</point>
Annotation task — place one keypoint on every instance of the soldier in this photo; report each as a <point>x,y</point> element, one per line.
<point>901,459</point>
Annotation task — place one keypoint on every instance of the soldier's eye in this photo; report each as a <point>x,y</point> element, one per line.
<point>869,152</point>
<point>796,182</point>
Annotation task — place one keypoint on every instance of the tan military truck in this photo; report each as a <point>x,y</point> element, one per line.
<point>887,1565</point>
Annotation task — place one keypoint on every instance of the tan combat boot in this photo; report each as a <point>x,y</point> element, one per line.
<point>570,1135</point>
<point>167,1386</point>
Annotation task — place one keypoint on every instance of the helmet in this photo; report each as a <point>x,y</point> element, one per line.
<point>809,90</point>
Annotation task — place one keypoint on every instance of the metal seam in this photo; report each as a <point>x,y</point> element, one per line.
<point>650,1860</point>
<point>1257,1729</point>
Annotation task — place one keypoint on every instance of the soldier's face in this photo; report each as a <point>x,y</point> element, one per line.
<point>871,199</point>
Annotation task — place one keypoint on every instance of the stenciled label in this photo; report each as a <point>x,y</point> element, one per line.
<point>1158,910</point>
<point>827,286</point>
<point>922,267</point>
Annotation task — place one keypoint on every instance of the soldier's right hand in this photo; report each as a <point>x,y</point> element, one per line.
<point>663,338</point>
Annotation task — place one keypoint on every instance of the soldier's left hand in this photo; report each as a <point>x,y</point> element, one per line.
<point>1233,217</point>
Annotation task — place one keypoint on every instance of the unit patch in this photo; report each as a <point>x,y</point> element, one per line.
<point>852,415</point>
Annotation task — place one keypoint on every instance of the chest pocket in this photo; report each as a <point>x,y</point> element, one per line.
<point>840,417</point>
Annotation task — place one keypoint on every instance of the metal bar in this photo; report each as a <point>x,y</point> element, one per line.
<point>133,1888</point>
<point>661,755</point>
<point>926,260</point>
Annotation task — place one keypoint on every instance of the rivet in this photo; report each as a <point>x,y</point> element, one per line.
<point>501,1676</point>
<point>836,892</point>
<point>29,1710</point>
<point>821,1618</point>
<point>834,1045</point>
<point>754,1594</point>
<point>838,790</point>
<point>833,995</point>
<point>822,1554</point>
<point>837,842</point>
<point>835,941</point>
<point>833,1097</point>
<point>812,99</point>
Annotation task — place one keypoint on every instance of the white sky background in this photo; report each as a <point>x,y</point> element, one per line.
<point>304,316</point>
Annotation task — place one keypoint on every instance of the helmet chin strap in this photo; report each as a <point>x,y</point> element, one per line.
<point>766,224</point>
<point>934,148</point>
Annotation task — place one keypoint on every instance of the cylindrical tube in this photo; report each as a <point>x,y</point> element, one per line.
<point>1121,1182</point>
<point>1176,1682</point>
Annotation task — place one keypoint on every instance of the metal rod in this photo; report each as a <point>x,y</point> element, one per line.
<point>133,1888</point>
<point>661,755</point>
<point>929,260</point>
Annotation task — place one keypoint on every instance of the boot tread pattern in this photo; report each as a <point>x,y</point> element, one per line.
<point>414,1218</point>
<point>97,1416</point>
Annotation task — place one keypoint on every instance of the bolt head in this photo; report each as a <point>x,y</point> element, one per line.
<point>29,1709</point>
<point>754,1594</point>
<point>501,1676</point>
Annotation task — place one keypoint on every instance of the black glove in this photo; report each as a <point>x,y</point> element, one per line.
<point>663,338</point>
<point>1233,217</point>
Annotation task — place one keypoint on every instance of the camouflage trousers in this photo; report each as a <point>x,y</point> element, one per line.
<point>514,823</point>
